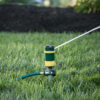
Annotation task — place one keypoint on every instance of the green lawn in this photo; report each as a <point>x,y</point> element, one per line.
<point>77,67</point>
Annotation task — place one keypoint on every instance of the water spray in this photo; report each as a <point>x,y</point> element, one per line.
<point>50,58</point>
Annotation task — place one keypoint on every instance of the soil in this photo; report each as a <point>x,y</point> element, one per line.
<point>28,18</point>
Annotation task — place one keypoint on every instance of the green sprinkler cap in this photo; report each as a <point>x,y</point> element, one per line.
<point>49,48</point>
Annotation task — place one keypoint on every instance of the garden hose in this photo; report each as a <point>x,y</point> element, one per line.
<point>30,74</point>
<point>46,73</point>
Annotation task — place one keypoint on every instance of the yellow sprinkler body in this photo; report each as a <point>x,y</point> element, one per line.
<point>49,56</point>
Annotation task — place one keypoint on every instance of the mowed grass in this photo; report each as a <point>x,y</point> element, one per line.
<point>77,67</point>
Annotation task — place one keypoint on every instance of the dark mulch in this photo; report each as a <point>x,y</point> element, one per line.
<point>30,18</point>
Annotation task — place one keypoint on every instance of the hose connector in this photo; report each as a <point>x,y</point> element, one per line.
<point>50,72</point>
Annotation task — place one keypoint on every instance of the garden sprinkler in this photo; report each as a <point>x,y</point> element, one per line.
<point>50,58</point>
<point>49,63</point>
